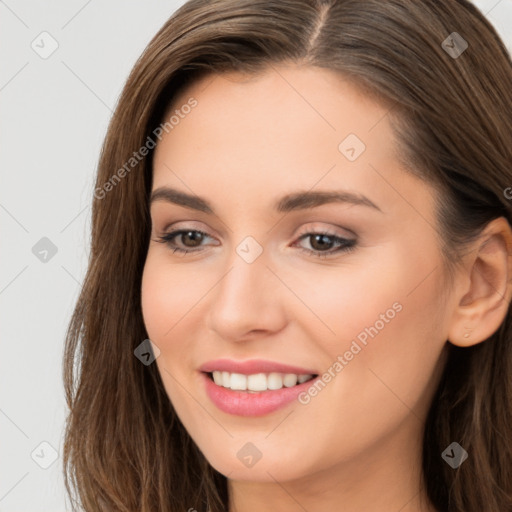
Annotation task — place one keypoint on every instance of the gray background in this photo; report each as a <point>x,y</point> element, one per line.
<point>55,112</point>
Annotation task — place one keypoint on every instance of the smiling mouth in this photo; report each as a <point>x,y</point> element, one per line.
<point>258,382</point>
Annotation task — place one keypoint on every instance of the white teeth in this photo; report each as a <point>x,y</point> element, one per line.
<point>274,381</point>
<point>238,381</point>
<point>258,381</point>
<point>290,379</point>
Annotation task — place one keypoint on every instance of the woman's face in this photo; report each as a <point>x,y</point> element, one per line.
<point>319,252</point>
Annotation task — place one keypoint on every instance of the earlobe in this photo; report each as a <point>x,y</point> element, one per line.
<point>483,305</point>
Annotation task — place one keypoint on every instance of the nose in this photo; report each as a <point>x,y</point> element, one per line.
<point>247,301</point>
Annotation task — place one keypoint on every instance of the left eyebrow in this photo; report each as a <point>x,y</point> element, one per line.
<point>288,203</point>
<point>305,200</point>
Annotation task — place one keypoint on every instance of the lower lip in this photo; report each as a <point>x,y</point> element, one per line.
<point>242,403</point>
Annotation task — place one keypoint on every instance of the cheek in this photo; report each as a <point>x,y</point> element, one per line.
<point>389,331</point>
<point>361,299</point>
<point>167,295</point>
<point>173,297</point>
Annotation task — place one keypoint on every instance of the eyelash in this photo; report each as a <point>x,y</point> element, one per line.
<point>346,245</point>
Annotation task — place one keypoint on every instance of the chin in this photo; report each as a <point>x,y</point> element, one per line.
<point>267,469</point>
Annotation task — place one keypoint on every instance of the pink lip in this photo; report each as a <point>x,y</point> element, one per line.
<point>242,403</point>
<point>253,366</point>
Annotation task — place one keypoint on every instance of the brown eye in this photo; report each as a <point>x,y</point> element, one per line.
<point>322,244</point>
<point>189,238</point>
<point>192,237</point>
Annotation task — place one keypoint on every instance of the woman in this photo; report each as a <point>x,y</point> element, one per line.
<point>298,290</point>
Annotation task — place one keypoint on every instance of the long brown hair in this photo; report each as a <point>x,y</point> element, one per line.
<point>125,449</point>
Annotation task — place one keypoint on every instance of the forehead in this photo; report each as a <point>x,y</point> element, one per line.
<point>322,100</point>
<point>287,113</point>
<point>285,129</point>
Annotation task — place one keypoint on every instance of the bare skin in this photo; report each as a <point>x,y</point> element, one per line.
<point>356,444</point>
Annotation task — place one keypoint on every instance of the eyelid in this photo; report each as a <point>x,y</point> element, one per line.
<point>304,229</point>
<point>187,224</point>
<point>330,230</point>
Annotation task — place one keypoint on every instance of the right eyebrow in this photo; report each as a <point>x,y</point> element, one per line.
<point>171,195</point>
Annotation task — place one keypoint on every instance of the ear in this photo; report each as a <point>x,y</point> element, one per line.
<point>487,287</point>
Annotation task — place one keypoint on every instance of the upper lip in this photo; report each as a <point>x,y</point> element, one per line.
<point>252,366</point>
